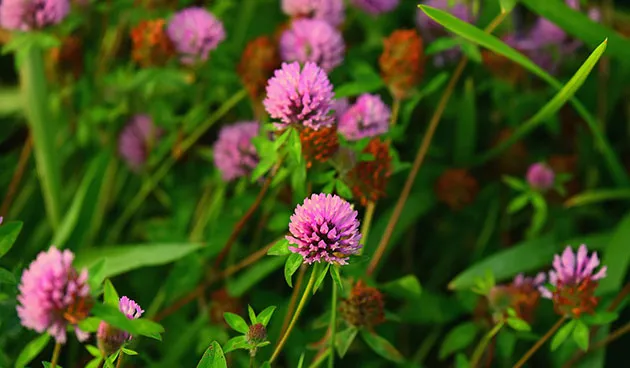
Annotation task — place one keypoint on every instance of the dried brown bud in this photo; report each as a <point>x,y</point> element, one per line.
<point>68,58</point>
<point>260,59</point>
<point>457,188</point>
<point>222,302</point>
<point>150,44</point>
<point>368,179</point>
<point>365,306</point>
<point>402,62</point>
<point>319,145</point>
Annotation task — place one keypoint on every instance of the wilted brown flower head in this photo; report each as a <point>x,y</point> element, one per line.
<point>364,307</point>
<point>457,188</point>
<point>521,294</point>
<point>402,62</point>
<point>513,160</point>
<point>222,302</point>
<point>150,44</point>
<point>260,59</point>
<point>368,179</point>
<point>502,67</point>
<point>68,58</point>
<point>319,145</point>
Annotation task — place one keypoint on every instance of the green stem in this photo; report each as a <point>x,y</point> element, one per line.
<point>120,359</point>
<point>298,311</point>
<point>367,222</point>
<point>55,356</point>
<point>35,99</point>
<point>333,326</point>
<point>481,347</point>
<point>539,343</point>
<point>251,360</point>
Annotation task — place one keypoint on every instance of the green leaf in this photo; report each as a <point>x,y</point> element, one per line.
<point>507,5</point>
<point>116,318</point>
<point>94,363</point>
<point>8,234</point>
<point>110,295</point>
<point>581,335</point>
<point>282,139</point>
<point>343,189</point>
<point>460,337</point>
<point>236,322</point>
<point>122,259</point>
<point>514,183</point>
<point>252,314</point>
<point>32,350</point>
<point>461,361</point>
<point>598,196</point>
<point>600,318</point>
<point>265,164</point>
<point>280,248</point>
<point>365,80</point>
<point>518,203</point>
<point>294,261</point>
<point>94,351</point>
<point>266,364</point>
<point>320,270</point>
<point>235,343</point>
<point>518,324</point>
<point>466,128</point>
<point>382,347</point>
<point>213,357</point>
<point>406,287</point>
<point>471,50</point>
<point>96,274</point>
<point>48,365</point>
<point>301,361</point>
<point>442,44</point>
<point>616,257</point>
<point>7,277</point>
<point>562,334</point>
<point>89,324</point>
<point>265,315</point>
<point>129,351</point>
<point>294,145</point>
<point>344,339</point>
<point>336,276</point>
<point>253,275</point>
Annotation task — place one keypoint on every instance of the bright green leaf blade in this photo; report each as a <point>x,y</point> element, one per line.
<point>96,274</point>
<point>382,347</point>
<point>129,351</point>
<point>460,337</point>
<point>301,361</point>
<point>236,322</point>
<point>253,275</point>
<point>518,324</point>
<point>94,363</point>
<point>235,343</point>
<point>581,335</point>
<point>280,248</point>
<point>213,357</point>
<point>616,257</point>
<point>598,196</point>
<point>344,339</point>
<point>600,318</point>
<point>292,264</point>
<point>562,335</point>
<point>116,318</point>
<point>32,350</point>
<point>406,287</point>
<point>110,295</point>
<point>94,351</point>
<point>9,232</point>
<point>336,276</point>
<point>320,271</point>
<point>89,324</point>
<point>265,315</point>
<point>252,315</point>
<point>507,5</point>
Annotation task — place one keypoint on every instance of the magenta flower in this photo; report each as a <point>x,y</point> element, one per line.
<point>136,139</point>
<point>195,32</point>
<point>300,96</point>
<point>25,15</point>
<point>331,11</point>
<point>54,295</point>
<point>110,338</point>
<point>324,228</point>
<point>375,7</point>
<point>340,106</point>
<point>521,280</point>
<point>1,218</point>
<point>368,117</point>
<point>234,152</point>
<point>312,40</point>
<point>540,176</point>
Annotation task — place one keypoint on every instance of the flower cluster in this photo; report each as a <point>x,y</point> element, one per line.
<point>319,145</point>
<point>25,15</point>
<point>234,153</point>
<point>402,62</point>
<point>258,62</point>
<point>367,117</point>
<point>368,179</point>
<point>364,307</point>
<point>195,32</point>
<point>136,140</point>
<point>521,294</point>
<point>312,40</point>
<point>110,338</point>
<point>457,188</point>
<point>331,11</point>
<point>540,177</point>
<point>375,7</point>
<point>150,44</point>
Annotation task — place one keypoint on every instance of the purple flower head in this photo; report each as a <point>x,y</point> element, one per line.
<point>110,338</point>
<point>572,269</point>
<point>324,228</point>
<point>195,32</point>
<point>540,176</point>
<point>368,117</point>
<point>331,11</point>
<point>300,96</point>
<point>234,152</point>
<point>312,40</point>
<point>521,280</point>
<point>376,7</point>
<point>340,106</point>
<point>1,218</point>
<point>25,15</point>
<point>136,139</point>
<point>53,295</point>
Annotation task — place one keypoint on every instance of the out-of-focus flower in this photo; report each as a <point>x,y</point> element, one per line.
<point>367,117</point>
<point>195,32</point>
<point>110,338</point>
<point>574,282</point>
<point>221,302</point>
<point>301,96</point>
<point>340,106</point>
<point>25,15</point>
<point>256,334</point>
<point>324,228</point>
<point>540,177</point>
<point>136,140</point>
<point>331,11</point>
<point>68,58</point>
<point>234,153</point>
<point>53,295</point>
<point>368,179</point>
<point>402,62</point>
<point>312,40</point>
<point>364,307</point>
<point>258,62</point>
<point>375,7</point>
<point>1,218</point>
<point>457,188</point>
<point>521,294</point>
<point>319,145</point>
<point>513,161</point>
<point>503,67</point>
<point>150,44</point>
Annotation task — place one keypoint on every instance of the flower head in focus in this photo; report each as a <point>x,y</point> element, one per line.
<point>195,32</point>
<point>574,282</point>
<point>53,295</point>
<point>402,62</point>
<point>26,15</point>
<point>368,179</point>
<point>540,176</point>
<point>375,7</point>
<point>324,228</point>
<point>150,44</point>
<point>364,307</point>
<point>521,294</point>
<point>457,188</point>
<point>319,145</point>
<point>331,11</point>
<point>234,153</point>
<point>312,40</point>
<point>256,334</point>
<point>301,96</point>
<point>110,338</point>
<point>367,117</point>
<point>136,140</point>
<point>258,62</point>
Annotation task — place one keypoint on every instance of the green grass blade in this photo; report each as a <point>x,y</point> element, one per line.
<point>616,258</point>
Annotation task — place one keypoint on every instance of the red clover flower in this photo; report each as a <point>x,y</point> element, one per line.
<point>26,15</point>
<point>331,11</point>
<point>375,7</point>
<point>312,40</point>
<point>540,177</point>
<point>111,338</point>
<point>234,153</point>
<point>195,32</point>
<point>367,117</point>
<point>136,140</point>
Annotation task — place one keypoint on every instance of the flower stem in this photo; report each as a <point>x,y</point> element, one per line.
<point>333,326</point>
<point>367,222</point>
<point>17,176</point>
<point>293,300</point>
<point>298,311</point>
<point>120,359</point>
<point>539,343</point>
<point>55,356</point>
<point>251,360</point>
<point>483,343</point>
<point>394,117</point>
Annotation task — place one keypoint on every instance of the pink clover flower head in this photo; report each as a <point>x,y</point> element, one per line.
<point>53,295</point>
<point>340,106</point>
<point>540,176</point>
<point>136,140</point>
<point>1,218</point>
<point>195,32</point>
<point>536,281</point>
<point>26,15</point>
<point>234,152</point>
<point>300,96</point>
<point>110,338</point>
<point>367,117</point>
<point>376,7</point>
<point>312,40</point>
<point>331,11</point>
<point>324,228</point>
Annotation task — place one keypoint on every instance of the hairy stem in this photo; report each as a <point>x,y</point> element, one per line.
<point>539,343</point>
<point>483,343</point>
<point>333,326</point>
<point>294,295</point>
<point>55,356</point>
